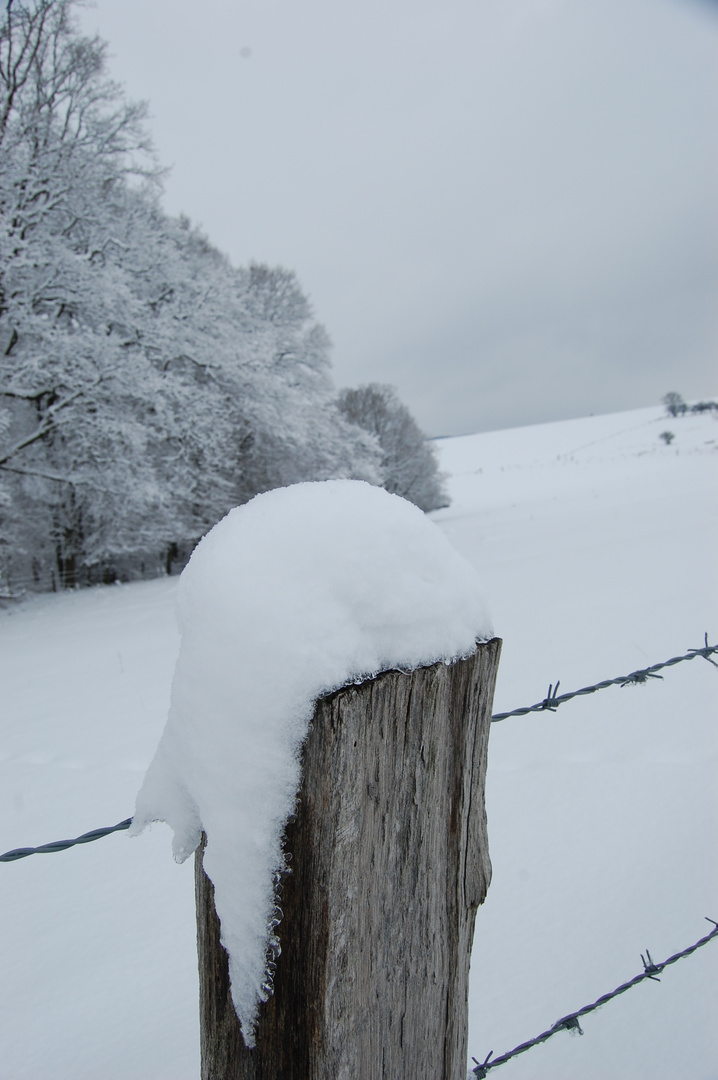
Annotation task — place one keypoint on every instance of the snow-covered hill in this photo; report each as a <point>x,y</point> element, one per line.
<point>596,543</point>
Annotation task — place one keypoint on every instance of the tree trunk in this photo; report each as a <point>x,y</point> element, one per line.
<point>389,863</point>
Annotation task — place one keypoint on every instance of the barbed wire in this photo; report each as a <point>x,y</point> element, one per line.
<point>571,1022</point>
<point>62,845</point>
<point>552,700</point>
<point>549,704</point>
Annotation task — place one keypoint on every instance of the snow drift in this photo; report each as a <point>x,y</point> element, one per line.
<point>292,595</point>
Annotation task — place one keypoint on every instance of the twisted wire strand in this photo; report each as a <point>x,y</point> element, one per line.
<point>549,704</point>
<point>571,1021</point>
<point>552,700</point>
<point>62,845</point>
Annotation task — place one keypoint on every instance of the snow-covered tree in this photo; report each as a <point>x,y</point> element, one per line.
<point>146,385</point>
<point>408,461</point>
<point>68,143</point>
<point>297,432</point>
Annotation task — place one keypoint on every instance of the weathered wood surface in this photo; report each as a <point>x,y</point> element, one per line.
<point>389,863</point>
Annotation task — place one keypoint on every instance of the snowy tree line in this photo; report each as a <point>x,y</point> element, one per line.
<point>676,406</point>
<point>146,384</point>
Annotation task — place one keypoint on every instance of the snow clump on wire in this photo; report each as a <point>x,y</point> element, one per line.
<point>294,594</point>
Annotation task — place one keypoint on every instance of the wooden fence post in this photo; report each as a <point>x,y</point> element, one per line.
<point>389,863</point>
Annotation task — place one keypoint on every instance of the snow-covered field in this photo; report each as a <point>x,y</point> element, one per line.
<point>596,544</point>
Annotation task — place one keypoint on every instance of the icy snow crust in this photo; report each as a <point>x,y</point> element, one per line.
<point>294,594</point>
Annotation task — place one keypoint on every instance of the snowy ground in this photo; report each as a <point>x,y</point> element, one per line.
<point>596,543</point>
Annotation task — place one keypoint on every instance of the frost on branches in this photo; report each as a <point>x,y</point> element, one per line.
<point>409,464</point>
<point>146,385</point>
<point>294,594</point>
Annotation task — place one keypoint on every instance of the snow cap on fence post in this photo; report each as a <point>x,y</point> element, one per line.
<point>294,594</point>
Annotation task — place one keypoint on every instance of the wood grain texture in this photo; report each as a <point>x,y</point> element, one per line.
<point>389,863</point>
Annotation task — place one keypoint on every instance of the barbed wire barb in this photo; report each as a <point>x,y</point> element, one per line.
<point>550,703</point>
<point>650,968</point>
<point>638,677</point>
<point>482,1066</point>
<point>553,699</point>
<point>571,1023</point>
<point>706,651</point>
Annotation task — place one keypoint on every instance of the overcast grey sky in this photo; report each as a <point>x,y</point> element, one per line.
<point>506,208</point>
